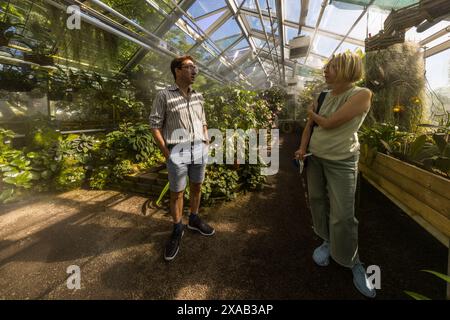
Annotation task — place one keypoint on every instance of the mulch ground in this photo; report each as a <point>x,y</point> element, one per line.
<point>261,250</point>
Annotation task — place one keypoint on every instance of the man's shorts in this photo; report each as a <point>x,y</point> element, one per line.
<point>186,160</point>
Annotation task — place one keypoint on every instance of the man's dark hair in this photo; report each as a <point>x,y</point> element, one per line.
<point>178,62</point>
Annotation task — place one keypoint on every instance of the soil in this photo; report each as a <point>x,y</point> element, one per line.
<point>261,250</point>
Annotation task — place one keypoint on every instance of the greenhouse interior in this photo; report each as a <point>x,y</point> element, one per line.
<point>344,106</point>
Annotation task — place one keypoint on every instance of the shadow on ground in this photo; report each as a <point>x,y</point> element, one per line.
<point>261,250</point>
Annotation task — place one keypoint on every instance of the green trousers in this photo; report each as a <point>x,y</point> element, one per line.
<point>331,189</point>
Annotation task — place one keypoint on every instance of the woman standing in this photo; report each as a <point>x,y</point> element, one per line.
<point>332,169</point>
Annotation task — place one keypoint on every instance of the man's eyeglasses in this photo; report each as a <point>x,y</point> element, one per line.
<point>190,66</point>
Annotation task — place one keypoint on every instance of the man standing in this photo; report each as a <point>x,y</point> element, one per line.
<point>179,128</point>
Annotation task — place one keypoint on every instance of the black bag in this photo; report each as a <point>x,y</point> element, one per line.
<point>320,100</point>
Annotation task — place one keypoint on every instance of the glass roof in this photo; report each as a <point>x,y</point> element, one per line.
<point>232,39</point>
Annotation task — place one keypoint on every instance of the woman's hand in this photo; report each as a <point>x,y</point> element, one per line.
<point>300,154</point>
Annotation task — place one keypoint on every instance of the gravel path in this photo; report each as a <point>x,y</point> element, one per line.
<point>261,250</point>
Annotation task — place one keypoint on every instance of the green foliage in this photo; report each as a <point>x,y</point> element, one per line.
<point>70,176</point>
<point>233,108</point>
<point>123,168</point>
<point>250,176</point>
<point>429,151</point>
<point>396,76</point>
<point>418,296</point>
<point>133,142</point>
<point>5,139</point>
<point>384,137</point>
<point>275,98</point>
<point>15,172</point>
<point>20,79</point>
<point>45,138</point>
<point>221,181</point>
<point>306,97</point>
<point>100,177</point>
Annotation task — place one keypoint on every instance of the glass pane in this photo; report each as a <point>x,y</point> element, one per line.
<point>439,82</point>
<point>415,36</point>
<point>324,45</point>
<point>202,54</point>
<point>255,23</point>
<point>234,55</point>
<point>383,4</point>
<point>260,43</point>
<point>201,7</point>
<point>226,42</point>
<point>437,75</point>
<point>313,13</point>
<point>374,25</point>
<point>242,44</point>
<point>179,39</point>
<point>138,11</point>
<point>205,23</point>
<point>348,46</point>
<point>227,29</point>
<point>339,20</point>
<point>292,10</point>
<point>272,7</point>
<point>291,33</point>
<point>166,5</point>
<point>315,62</point>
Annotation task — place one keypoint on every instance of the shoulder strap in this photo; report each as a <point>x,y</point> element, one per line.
<point>320,100</point>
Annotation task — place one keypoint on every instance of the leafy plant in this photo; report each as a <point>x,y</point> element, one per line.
<point>382,137</point>
<point>100,177</point>
<point>123,168</point>
<point>131,142</point>
<point>233,108</point>
<point>70,176</point>
<point>418,296</point>
<point>220,182</point>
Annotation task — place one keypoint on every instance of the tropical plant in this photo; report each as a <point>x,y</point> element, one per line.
<point>134,142</point>
<point>221,182</point>
<point>70,176</point>
<point>396,76</point>
<point>418,296</point>
<point>236,108</point>
<point>430,151</point>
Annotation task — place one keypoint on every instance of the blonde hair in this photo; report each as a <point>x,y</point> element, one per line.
<point>348,66</point>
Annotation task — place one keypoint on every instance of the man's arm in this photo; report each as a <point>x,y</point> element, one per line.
<point>156,120</point>
<point>205,133</point>
<point>157,135</point>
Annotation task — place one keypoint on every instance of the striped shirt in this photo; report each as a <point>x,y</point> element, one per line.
<point>175,114</point>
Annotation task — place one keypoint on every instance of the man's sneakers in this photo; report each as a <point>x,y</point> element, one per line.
<point>361,281</point>
<point>173,246</point>
<point>195,223</point>
<point>321,255</point>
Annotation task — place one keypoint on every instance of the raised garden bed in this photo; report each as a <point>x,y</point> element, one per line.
<point>423,195</point>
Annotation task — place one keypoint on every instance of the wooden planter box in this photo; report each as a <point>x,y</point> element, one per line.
<point>424,196</point>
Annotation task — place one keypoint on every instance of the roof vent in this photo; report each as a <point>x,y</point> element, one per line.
<point>299,46</point>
